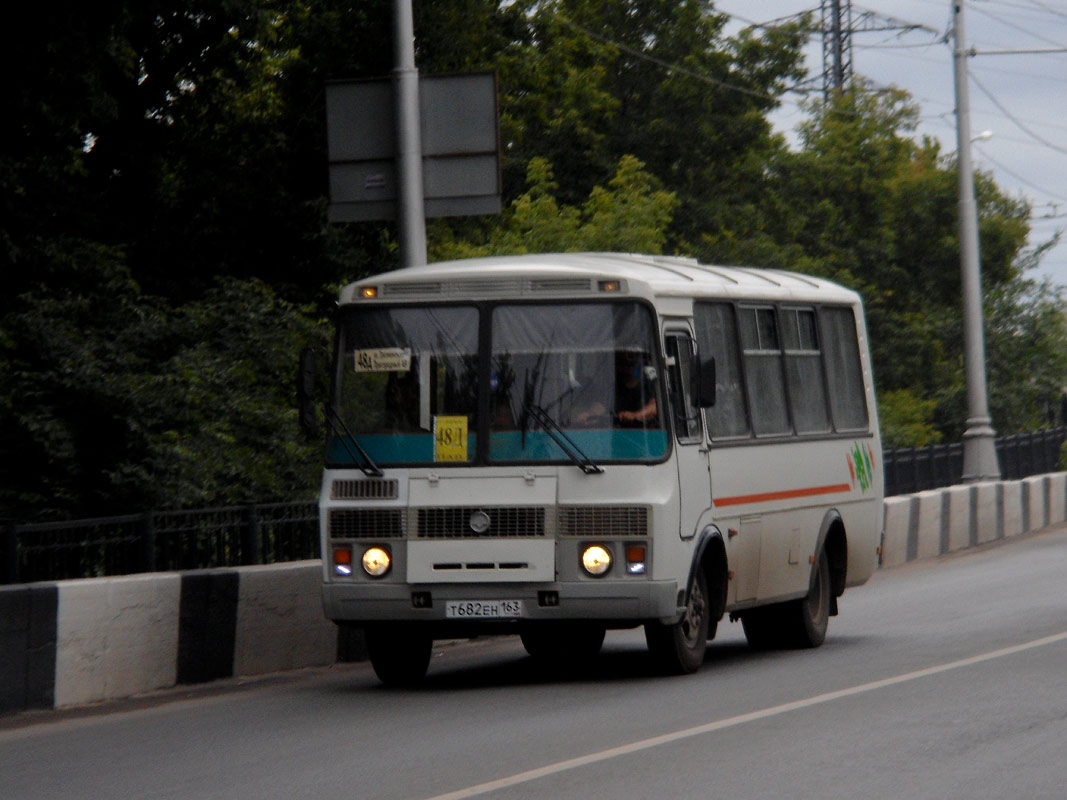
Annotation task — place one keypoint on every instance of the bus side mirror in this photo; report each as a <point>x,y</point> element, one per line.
<point>305,392</point>
<point>704,383</point>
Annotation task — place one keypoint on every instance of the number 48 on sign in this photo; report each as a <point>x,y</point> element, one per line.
<point>450,438</point>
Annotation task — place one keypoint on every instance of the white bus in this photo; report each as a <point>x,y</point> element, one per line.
<point>557,445</point>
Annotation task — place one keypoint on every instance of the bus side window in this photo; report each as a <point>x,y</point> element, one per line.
<point>716,329</point>
<point>847,398</point>
<point>803,369</point>
<point>762,350</point>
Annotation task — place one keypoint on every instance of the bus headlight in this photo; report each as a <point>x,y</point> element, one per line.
<point>596,559</point>
<point>376,561</point>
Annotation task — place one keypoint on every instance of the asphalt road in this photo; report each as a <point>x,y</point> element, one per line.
<point>941,679</point>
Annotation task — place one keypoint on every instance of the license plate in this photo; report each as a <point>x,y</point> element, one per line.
<point>483,609</point>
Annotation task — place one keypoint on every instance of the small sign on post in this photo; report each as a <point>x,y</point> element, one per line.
<point>460,147</point>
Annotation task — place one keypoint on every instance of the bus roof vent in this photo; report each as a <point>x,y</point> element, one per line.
<point>406,289</point>
<point>484,286</point>
<point>561,285</point>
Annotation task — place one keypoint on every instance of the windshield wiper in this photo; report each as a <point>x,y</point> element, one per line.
<point>565,442</point>
<point>528,384</point>
<point>365,462</point>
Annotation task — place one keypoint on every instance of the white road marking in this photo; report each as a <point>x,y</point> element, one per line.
<point>732,722</point>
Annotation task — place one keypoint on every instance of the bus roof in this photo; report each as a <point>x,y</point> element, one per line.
<point>576,274</point>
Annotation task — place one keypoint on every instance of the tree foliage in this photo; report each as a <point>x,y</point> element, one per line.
<point>631,214</point>
<point>164,249</point>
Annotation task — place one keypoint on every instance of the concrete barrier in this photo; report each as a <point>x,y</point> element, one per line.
<point>28,646</point>
<point>76,642</point>
<point>1036,502</point>
<point>986,512</point>
<point>1014,511</point>
<point>932,519</point>
<point>116,637</point>
<point>945,520</point>
<point>82,641</point>
<point>900,537</point>
<point>1057,497</point>
<point>280,624</point>
<point>961,500</point>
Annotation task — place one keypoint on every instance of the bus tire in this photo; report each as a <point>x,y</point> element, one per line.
<point>563,640</point>
<point>796,624</point>
<point>678,649</point>
<point>400,654</point>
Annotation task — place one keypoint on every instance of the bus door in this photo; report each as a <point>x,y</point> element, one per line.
<point>694,483</point>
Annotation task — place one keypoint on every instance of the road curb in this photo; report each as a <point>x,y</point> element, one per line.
<point>71,643</point>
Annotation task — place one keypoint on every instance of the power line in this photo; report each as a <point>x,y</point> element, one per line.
<point>1012,117</point>
<point>1049,10</point>
<point>1019,28</point>
<point>1032,5</point>
<point>677,68</point>
<point>1020,178</point>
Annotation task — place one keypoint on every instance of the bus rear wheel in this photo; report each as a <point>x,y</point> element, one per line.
<point>400,654</point>
<point>678,649</point>
<point>796,624</point>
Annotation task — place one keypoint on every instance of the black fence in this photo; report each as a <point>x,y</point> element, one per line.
<point>159,541</point>
<point>913,469</point>
<point>274,532</point>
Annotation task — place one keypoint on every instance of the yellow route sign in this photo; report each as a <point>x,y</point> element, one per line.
<point>450,439</point>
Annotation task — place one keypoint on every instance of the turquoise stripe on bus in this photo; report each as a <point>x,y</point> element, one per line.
<point>417,448</point>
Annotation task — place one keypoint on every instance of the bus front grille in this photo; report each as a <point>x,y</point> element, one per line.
<point>603,521</point>
<point>493,522</point>
<point>367,523</point>
<point>373,489</point>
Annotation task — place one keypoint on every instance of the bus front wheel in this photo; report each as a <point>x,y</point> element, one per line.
<point>400,654</point>
<point>678,649</point>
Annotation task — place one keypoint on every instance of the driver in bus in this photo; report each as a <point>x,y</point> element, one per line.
<point>635,397</point>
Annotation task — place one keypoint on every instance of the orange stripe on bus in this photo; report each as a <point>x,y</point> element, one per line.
<point>788,494</point>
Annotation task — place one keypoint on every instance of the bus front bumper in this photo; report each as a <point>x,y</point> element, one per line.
<point>621,603</point>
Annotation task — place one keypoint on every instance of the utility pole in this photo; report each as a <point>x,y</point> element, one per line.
<point>411,210</point>
<point>979,445</point>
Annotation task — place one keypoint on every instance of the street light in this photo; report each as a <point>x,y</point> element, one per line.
<point>979,440</point>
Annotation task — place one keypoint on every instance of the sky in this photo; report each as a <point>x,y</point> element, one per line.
<point>1021,99</point>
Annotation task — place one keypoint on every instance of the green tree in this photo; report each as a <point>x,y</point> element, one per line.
<point>631,215</point>
<point>114,403</point>
<point>905,419</point>
<point>222,422</point>
<point>164,249</point>
<point>871,207</point>
<point>585,82</point>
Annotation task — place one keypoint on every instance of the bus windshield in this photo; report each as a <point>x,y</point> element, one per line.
<point>418,385</point>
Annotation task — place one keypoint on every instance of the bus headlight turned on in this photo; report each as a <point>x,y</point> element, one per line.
<point>376,561</point>
<point>596,560</point>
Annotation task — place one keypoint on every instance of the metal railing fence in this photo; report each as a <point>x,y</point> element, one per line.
<point>159,541</point>
<point>914,469</point>
<point>275,532</point>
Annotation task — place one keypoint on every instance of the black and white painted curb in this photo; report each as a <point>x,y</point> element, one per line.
<point>75,642</point>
